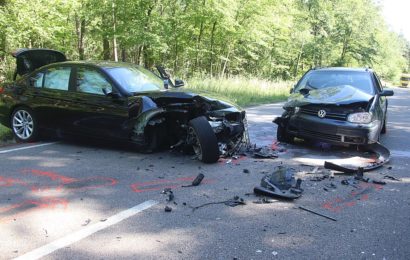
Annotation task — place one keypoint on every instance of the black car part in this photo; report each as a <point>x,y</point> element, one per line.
<point>383,158</point>
<point>280,184</point>
<point>316,213</point>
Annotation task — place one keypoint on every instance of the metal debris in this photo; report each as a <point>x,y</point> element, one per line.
<point>316,213</point>
<point>391,178</point>
<point>169,193</point>
<point>376,148</point>
<point>235,201</point>
<point>196,181</point>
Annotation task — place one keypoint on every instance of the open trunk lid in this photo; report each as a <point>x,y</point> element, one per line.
<point>28,60</point>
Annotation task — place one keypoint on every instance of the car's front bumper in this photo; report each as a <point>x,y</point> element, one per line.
<point>333,131</point>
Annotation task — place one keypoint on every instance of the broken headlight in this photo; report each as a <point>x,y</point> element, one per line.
<point>360,118</point>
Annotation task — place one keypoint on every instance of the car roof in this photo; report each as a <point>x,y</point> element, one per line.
<point>96,63</point>
<point>344,69</point>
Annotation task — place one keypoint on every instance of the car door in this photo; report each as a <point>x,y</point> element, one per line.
<point>97,108</point>
<point>382,107</point>
<point>50,96</point>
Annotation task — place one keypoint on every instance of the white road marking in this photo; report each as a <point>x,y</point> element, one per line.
<point>26,147</point>
<point>85,232</point>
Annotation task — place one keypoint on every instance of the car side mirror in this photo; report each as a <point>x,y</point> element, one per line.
<point>109,93</point>
<point>179,83</point>
<point>387,93</point>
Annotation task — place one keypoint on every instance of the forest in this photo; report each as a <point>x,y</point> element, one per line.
<point>264,39</point>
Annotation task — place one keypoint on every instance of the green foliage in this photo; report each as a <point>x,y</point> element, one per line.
<point>240,90</point>
<point>195,38</point>
<point>5,134</point>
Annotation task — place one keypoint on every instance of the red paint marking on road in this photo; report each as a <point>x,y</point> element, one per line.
<point>163,184</point>
<point>11,212</point>
<point>8,182</point>
<point>52,175</point>
<point>274,146</point>
<point>68,183</point>
<point>362,193</point>
<point>233,161</point>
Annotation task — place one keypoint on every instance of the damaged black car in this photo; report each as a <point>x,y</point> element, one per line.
<point>116,100</point>
<point>342,106</point>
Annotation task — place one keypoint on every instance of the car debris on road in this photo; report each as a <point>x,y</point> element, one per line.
<point>280,184</point>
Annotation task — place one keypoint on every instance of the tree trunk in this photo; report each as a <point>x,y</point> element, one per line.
<point>114,24</point>
<point>106,48</point>
<point>212,48</point>
<point>2,37</point>
<point>123,55</point>
<point>298,59</point>
<point>80,30</point>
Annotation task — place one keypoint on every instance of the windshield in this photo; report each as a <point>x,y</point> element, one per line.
<point>136,79</point>
<point>323,79</point>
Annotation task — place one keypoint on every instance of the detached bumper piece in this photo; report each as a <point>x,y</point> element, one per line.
<point>280,184</point>
<point>376,148</point>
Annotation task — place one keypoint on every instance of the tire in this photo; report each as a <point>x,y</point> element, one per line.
<point>283,136</point>
<point>24,125</point>
<point>203,140</point>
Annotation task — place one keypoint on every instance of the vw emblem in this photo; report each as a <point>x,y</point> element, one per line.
<point>321,113</point>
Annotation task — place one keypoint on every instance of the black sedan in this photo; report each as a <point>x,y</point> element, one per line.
<point>335,105</point>
<point>116,100</point>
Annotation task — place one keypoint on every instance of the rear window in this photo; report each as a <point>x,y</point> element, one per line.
<point>323,79</point>
<point>405,78</point>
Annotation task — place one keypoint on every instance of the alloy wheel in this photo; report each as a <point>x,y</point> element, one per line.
<point>23,124</point>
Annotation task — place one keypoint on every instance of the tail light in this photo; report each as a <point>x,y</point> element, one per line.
<point>1,89</point>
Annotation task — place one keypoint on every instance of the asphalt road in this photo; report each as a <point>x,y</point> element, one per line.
<point>75,200</point>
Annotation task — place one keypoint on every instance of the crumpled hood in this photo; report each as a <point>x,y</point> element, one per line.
<point>178,97</point>
<point>341,95</point>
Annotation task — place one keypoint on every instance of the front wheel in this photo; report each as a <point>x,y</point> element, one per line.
<point>203,140</point>
<point>24,125</point>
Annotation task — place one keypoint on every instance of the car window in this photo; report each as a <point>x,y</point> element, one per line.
<point>91,81</point>
<point>136,79</point>
<point>57,78</point>
<point>332,78</point>
<point>37,80</point>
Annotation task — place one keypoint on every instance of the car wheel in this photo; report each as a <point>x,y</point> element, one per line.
<point>24,124</point>
<point>283,136</point>
<point>203,140</point>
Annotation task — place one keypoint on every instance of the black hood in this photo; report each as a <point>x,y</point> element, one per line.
<point>339,95</point>
<point>28,60</point>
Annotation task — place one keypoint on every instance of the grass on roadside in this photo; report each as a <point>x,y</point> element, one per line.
<point>242,91</point>
<point>5,133</point>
